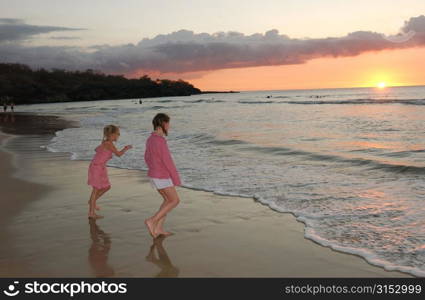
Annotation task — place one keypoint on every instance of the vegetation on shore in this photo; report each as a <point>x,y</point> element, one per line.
<point>21,84</point>
<point>219,92</point>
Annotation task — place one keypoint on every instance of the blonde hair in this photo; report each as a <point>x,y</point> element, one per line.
<point>109,130</point>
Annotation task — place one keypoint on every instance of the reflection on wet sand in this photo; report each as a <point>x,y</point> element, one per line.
<point>99,250</point>
<point>163,261</point>
<point>8,117</point>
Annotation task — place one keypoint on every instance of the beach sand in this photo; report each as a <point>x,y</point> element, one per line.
<point>45,231</point>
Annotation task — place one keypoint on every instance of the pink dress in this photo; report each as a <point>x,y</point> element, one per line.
<point>98,174</point>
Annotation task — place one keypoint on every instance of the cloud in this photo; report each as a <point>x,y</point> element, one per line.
<point>195,53</point>
<point>64,38</point>
<point>415,24</point>
<point>11,21</point>
<point>14,30</point>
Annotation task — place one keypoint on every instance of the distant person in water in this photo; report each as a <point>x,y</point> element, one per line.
<point>140,102</point>
<point>12,107</point>
<point>4,107</point>
<point>162,173</point>
<point>97,174</point>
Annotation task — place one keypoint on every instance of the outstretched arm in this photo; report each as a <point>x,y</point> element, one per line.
<point>114,150</point>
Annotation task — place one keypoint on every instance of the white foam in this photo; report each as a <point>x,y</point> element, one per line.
<point>369,256</point>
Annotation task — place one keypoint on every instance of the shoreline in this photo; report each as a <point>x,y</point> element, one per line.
<point>258,241</point>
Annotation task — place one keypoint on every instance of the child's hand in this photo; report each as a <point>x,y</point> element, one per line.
<point>128,147</point>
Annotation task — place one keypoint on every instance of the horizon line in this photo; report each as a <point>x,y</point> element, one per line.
<point>328,88</point>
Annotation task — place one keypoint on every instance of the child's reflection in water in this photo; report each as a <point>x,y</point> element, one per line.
<point>163,261</point>
<point>99,250</point>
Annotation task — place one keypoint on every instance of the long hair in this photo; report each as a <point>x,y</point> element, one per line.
<point>159,120</point>
<point>109,130</point>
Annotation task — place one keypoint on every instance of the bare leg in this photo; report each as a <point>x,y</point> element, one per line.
<point>101,192</point>
<point>98,195</point>
<point>92,204</point>
<point>150,224</point>
<point>172,200</point>
<point>91,201</point>
<point>159,228</point>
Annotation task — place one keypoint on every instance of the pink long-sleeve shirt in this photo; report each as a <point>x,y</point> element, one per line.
<point>159,160</point>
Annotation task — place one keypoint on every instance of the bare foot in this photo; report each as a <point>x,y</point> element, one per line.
<point>151,227</point>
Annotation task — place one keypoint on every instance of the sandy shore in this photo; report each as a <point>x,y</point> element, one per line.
<point>45,230</point>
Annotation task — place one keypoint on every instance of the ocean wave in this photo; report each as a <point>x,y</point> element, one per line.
<point>79,108</point>
<point>370,256</point>
<point>360,101</point>
<point>203,138</point>
<point>283,151</point>
<point>279,151</point>
<point>227,142</point>
<point>370,163</point>
<point>310,233</point>
<point>256,102</point>
<point>342,102</point>
<point>156,107</point>
<point>403,153</point>
<point>204,101</point>
<point>163,101</point>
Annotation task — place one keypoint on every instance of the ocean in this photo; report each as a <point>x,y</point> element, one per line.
<point>349,163</point>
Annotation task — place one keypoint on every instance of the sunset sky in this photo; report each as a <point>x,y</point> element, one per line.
<point>224,45</point>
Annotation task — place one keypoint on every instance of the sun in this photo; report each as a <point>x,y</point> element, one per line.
<point>382,85</point>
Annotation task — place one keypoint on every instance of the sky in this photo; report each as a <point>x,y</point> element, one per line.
<point>223,45</point>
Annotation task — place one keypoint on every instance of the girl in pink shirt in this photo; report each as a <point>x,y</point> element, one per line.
<point>162,173</point>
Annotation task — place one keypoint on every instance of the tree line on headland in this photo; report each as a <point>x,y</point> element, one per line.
<point>23,85</point>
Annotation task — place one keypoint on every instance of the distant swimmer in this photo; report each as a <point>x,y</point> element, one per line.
<point>12,106</point>
<point>140,101</point>
<point>4,107</point>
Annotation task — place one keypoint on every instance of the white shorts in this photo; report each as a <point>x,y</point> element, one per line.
<point>161,183</point>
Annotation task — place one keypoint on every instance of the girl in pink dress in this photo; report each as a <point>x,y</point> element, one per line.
<point>98,174</point>
<point>162,173</point>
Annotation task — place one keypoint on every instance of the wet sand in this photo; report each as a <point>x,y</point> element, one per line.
<point>11,204</point>
<point>45,231</point>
